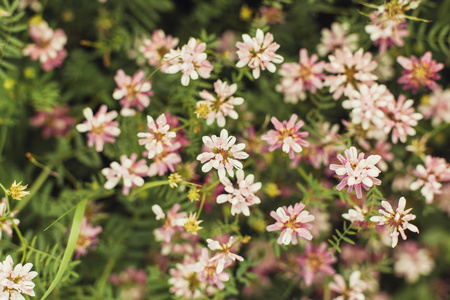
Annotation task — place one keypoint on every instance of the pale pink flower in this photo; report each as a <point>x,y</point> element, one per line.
<point>316,262</point>
<point>337,38</point>
<point>132,92</point>
<point>100,128</point>
<point>156,47</point>
<point>132,282</point>
<point>6,224</point>
<point>242,197</point>
<point>297,78</point>
<point>210,272</point>
<point>419,72</point>
<point>174,122</point>
<point>286,136</point>
<point>222,154</point>
<point>401,117</point>
<point>191,60</point>
<point>437,107</point>
<point>130,171</point>
<point>356,215</point>
<point>173,222</point>
<point>293,222</point>
<point>224,256</point>
<point>397,221</point>
<point>349,71</point>
<point>411,261</point>
<point>226,46</point>
<point>431,176</point>
<point>386,32</point>
<point>15,281</point>
<point>356,171</point>
<point>48,45</point>
<point>158,136</point>
<point>355,288</point>
<point>165,161</point>
<point>222,104</point>
<point>87,238</point>
<point>258,53</point>
<point>55,122</point>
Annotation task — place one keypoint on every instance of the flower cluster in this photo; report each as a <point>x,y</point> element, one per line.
<point>55,122</point>
<point>156,47</point>
<point>15,281</point>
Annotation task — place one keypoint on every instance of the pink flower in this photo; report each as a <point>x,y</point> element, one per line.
<point>221,106</point>
<point>185,281</point>
<point>356,171</point>
<point>132,92</point>
<point>48,47</point>
<point>100,128</point>
<point>397,221</point>
<point>258,53</point>
<point>157,137</point>
<point>316,262</point>
<point>155,48</point>
<point>300,77</point>
<point>430,176</point>
<point>386,32</point>
<point>87,238</point>
<point>223,154</point>
<point>418,72</point>
<point>165,161</point>
<point>7,221</point>
<point>354,290</point>
<point>226,46</point>
<point>55,122</point>
<point>210,272</point>
<point>356,215</point>
<point>437,107</point>
<point>224,256</point>
<point>133,283</point>
<point>243,197</point>
<point>349,71</point>
<point>401,118</point>
<point>181,133</point>
<point>293,222</point>
<point>337,38</point>
<point>191,60</point>
<point>286,136</point>
<point>411,261</point>
<point>15,281</point>
<point>173,222</point>
<point>130,171</point>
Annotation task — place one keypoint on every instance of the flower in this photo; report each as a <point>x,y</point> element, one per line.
<point>258,53</point>
<point>8,222</point>
<point>337,38</point>
<point>224,255</point>
<point>133,283</point>
<point>158,136</point>
<point>16,281</point>
<point>293,222</point>
<point>223,154</point>
<point>209,271</point>
<point>173,221</point>
<point>221,106</point>
<point>356,215</point>
<point>55,122</point>
<point>300,77</point>
<point>174,179</point>
<point>191,60</point>
<point>130,171</point>
<point>132,92</point>
<point>356,171</point>
<point>165,161</point>
<point>156,47</point>
<point>192,224</point>
<point>87,238</point>
<point>17,191</point>
<point>436,106</point>
<point>419,72</point>
<point>354,290</point>
<point>185,281</point>
<point>349,71</point>
<point>286,136</point>
<point>411,261</point>
<point>100,128</point>
<point>48,45</point>
<point>316,262</point>
<point>397,221</point>
<point>243,197</point>
<point>430,176</point>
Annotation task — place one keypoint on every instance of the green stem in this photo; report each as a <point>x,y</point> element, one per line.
<point>22,242</point>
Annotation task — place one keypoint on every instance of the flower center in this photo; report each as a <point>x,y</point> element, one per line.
<point>350,74</point>
<point>97,131</point>
<point>315,261</point>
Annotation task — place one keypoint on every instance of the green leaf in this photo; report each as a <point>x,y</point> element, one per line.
<point>68,253</point>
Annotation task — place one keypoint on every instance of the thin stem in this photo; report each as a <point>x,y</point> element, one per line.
<point>22,241</point>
